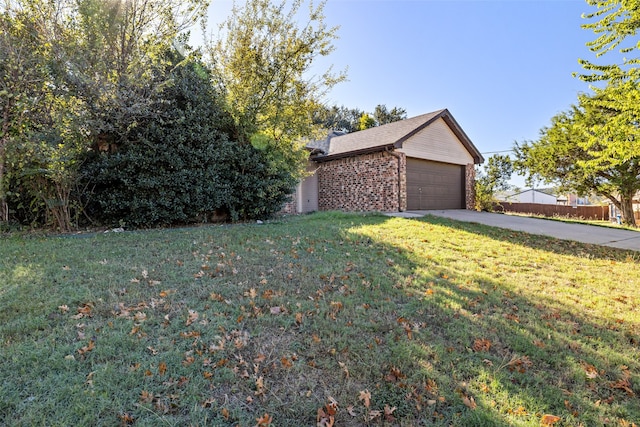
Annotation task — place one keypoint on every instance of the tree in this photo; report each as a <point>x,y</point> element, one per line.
<point>76,74</point>
<point>366,122</point>
<point>616,22</point>
<point>341,118</point>
<point>383,116</point>
<point>595,146</point>
<point>184,167</point>
<point>351,119</point>
<point>263,60</point>
<point>496,176</point>
<point>572,153</point>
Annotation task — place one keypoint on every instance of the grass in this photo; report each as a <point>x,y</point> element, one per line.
<point>599,223</point>
<point>360,319</point>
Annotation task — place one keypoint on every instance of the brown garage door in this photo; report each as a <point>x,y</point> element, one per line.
<point>434,185</point>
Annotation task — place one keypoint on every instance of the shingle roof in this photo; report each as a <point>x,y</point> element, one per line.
<point>391,135</point>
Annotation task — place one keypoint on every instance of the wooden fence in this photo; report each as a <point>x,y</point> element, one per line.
<point>584,212</point>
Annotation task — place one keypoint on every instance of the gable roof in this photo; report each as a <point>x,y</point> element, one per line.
<point>547,191</point>
<point>389,136</point>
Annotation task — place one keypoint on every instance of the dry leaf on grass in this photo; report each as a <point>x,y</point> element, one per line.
<point>549,420</point>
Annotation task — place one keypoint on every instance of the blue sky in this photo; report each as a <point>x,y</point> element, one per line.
<point>502,67</point>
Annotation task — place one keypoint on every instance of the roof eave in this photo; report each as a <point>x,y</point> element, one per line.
<point>328,158</point>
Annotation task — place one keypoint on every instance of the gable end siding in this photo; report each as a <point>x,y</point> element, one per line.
<point>437,142</point>
<point>364,183</point>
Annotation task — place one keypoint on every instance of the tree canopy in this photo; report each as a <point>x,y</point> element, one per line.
<point>106,111</point>
<point>595,145</point>
<point>346,119</point>
<point>494,177</point>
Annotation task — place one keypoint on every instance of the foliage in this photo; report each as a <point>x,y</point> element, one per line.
<point>575,153</point>
<point>594,146</point>
<point>350,119</point>
<point>76,73</point>
<point>263,60</point>
<point>182,166</point>
<point>341,118</point>
<point>382,115</point>
<point>359,319</point>
<point>496,176</point>
<point>366,122</point>
<point>616,22</point>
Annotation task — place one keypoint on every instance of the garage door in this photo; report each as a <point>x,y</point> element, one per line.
<point>434,185</point>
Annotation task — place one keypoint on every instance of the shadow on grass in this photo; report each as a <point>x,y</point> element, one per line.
<point>442,321</point>
<point>511,353</point>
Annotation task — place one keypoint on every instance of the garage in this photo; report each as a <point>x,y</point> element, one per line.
<point>425,162</point>
<point>434,185</point>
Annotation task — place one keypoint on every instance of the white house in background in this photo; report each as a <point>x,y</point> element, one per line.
<point>533,195</point>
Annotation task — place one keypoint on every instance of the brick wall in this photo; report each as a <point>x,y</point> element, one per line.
<point>368,182</point>
<point>290,207</point>
<point>470,186</point>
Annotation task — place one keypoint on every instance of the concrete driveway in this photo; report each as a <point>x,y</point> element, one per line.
<point>605,236</point>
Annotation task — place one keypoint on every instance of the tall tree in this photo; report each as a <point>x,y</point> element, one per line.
<point>341,118</point>
<point>595,146</point>
<point>567,154</point>
<point>494,177</point>
<point>382,115</point>
<point>73,73</point>
<point>263,60</point>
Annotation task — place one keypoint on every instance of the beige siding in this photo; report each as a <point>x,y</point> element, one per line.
<point>307,191</point>
<point>437,142</point>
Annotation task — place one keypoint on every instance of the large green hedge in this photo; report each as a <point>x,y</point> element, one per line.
<point>184,165</point>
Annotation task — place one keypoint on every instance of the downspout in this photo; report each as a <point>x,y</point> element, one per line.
<point>399,157</point>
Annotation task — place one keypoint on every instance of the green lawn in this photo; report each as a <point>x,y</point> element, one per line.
<point>357,319</point>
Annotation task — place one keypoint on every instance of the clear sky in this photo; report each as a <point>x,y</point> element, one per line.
<point>503,68</point>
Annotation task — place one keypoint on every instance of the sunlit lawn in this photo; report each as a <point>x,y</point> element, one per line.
<point>352,319</point>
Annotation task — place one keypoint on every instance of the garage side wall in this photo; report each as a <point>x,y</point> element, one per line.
<point>470,186</point>
<point>364,183</point>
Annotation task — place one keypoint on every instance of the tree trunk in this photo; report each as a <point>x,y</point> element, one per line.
<point>626,206</point>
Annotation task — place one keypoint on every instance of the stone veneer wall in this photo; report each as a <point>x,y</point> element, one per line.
<point>470,186</point>
<point>364,183</point>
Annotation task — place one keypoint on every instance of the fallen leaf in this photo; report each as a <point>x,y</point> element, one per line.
<point>388,411</point>
<point>162,368</point>
<point>146,397</point>
<point>549,420</point>
<point>63,308</point>
<point>344,369</point>
<point>323,419</point>
<point>365,396</point>
<point>225,413</point>
<point>193,316</point>
<point>481,344</point>
<point>264,421</point>
<point>87,348</point>
<point>259,386</point>
<point>126,418</point>
<point>469,402</point>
